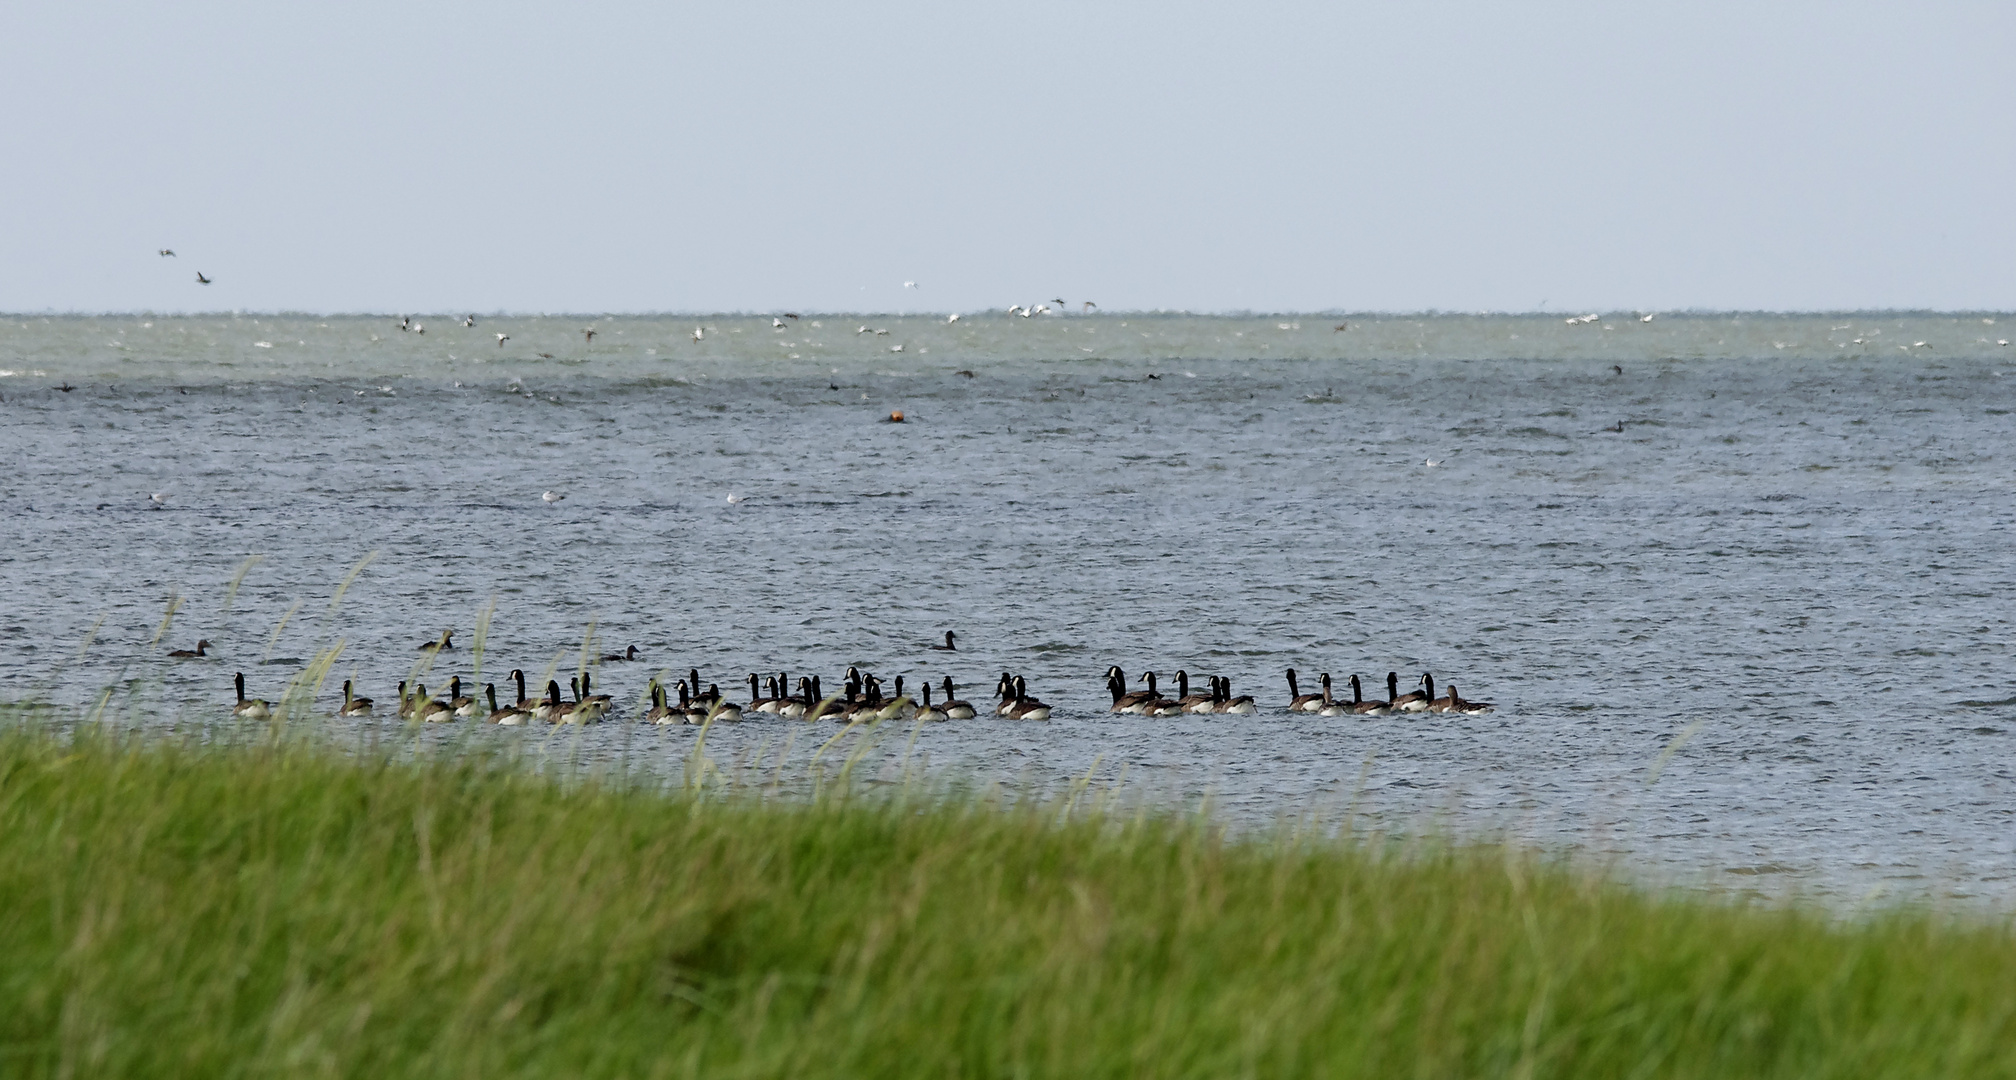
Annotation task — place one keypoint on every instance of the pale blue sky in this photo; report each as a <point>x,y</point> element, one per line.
<point>640,157</point>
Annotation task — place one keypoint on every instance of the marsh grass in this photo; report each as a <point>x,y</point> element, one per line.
<point>261,905</point>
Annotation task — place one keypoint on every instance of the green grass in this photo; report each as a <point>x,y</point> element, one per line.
<point>175,909</point>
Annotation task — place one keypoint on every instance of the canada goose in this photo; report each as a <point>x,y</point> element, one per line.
<point>509,715</point>
<point>405,703</point>
<point>898,707</point>
<point>518,677</point>
<point>427,710</point>
<point>1435,704</point>
<point>1124,702</point>
<point>1331,706</point>
<point>1299,701</point>
<point>1025,707</point>
<point>1193,703</point>
<point>444,643</point>
<point>1237,706</point>
<point>661,713</point>
<point>464,707</point>
<point>192,654</point>
<point>1415,701</point>
<point>1004,690</point>
<point>252,709</point>
<point>353,706</point>
<point>1362,707</point>
<point>926,712</point>
<point>1157,705</point>
<point>759,703</point>
<point>948,646</point>
<point>1467,708</point>
<point>722,710</point>
<point>819,708</point>
<point>600,703</point>
<point>548,709</point>
<point>619,657</point>
<point>795,707</point>
<point>954,708</point>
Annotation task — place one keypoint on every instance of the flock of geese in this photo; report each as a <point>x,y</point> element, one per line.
<point>862,697</point>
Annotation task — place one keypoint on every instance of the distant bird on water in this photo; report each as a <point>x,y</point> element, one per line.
<point>440,644</point>
<point>192,654</point>
<point>468,320</point>
<point>1616,429</point>
<point>948,646</point>
<point>159,498</point>
<point>551,497</point>
<point>502,338</point>
<point>168,253</point>
<point>1618,368</point>
<point>200,279</point>
<point>590,334</point>
<point>699,334</point>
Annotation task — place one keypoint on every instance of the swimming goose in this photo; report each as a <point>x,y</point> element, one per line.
<point>405,703</point>
<point>1025,707</point>
<point>464,707</point>
<point>926,712</point>
<point>948,646</point>
<point>599,703</point>
<point>427,710</point>
<point>660,713</point>
<point>693,684</point>
<point>1159,705</point>
<point>1299,701</point>
<point>1415,701</point>
<point>549,708</point>
<point>954,708</point>
<point>192,654</point>
<point>1237,706</point>
<point>759,703</point>
<point>1004,690</point>
<point>509,715</point>
<point>795,707</point>
<point>1331,706</point>
<point>619,657</point>
<point>723,710</point>
<point>1443,704</point>
<point>1124,702</point>
<point>252,709</point>
<point>353,706</point>
<point>1366,708</point>
<point>1193,703</point>
<point>519,677</point>
<point>1467,708</point>
<point>444,643</point>
<point>818,708</point>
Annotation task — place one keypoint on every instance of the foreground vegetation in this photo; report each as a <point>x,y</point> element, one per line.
<point>173,909</point>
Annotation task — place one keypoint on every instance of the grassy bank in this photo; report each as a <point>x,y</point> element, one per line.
<point>259,911</point>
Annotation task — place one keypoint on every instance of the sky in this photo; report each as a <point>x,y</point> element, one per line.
<point>757,156</point>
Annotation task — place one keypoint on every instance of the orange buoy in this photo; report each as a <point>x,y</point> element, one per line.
<point>896,417</point>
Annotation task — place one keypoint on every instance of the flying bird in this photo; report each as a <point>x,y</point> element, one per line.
<point>953,319</point>
<point>167,253</point>
<point>1089,305</point>
<point>590,334</point>
<point>909,284</point>
<point>502,338</point>
<point>200,279</point>
<point>699,334</point>
<point>776,323</point>
<point>468,320</point>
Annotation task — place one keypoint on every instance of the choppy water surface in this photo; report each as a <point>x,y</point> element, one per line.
<point>1790,573</point>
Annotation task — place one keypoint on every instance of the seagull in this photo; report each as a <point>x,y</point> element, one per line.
<point>699,334</point>
<point>909,284</point>
<point>862,330</point>
<point>736,500</point>
<point>776,323</point>
<point>1647,317</point>
<point>159,498</point>
<point>1089,305</point>
<point>1014,309</point>
<point>200,279</point>
<point>1431,462</point>
<point>167,253</point>
<point>419,328</point>
<point>551,497</point>
<point>591,336</point>
<point>953,319</point>
<point>502,338</point>
<point>468,320</point>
